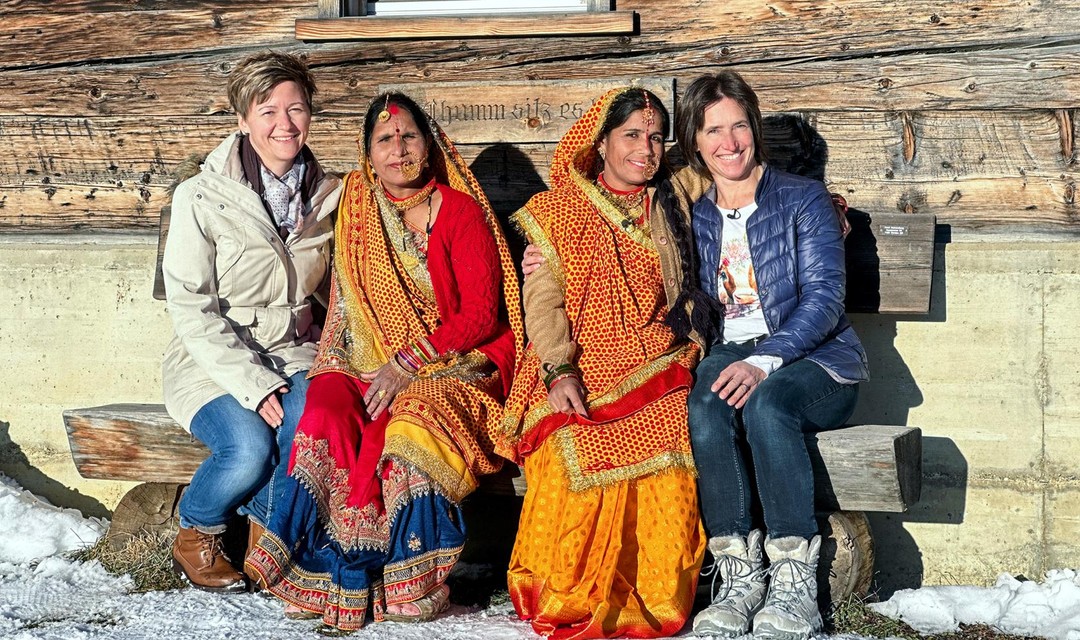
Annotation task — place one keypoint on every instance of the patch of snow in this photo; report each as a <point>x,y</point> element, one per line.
<point>1050,608</point>
<point>44,596</point>
<point>31,528</point>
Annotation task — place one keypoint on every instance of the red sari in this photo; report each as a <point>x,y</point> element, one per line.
<point>375,517</point>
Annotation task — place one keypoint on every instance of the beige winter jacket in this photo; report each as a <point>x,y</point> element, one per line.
<point>236,294</point>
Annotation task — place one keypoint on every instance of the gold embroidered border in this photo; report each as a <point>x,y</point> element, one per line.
<point>434,565</point>
<point>316,470</point>
<point>469,367</point>
<point>448,482</point>
<point>579,481</point>
<point>628,384</point>
<point>310,591</point>
<point>406,482</point>
<point>638,234</point>
<point>528,225</point>
<point>365,352</point>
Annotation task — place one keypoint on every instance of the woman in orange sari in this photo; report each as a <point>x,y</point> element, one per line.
<point>406,392</point>
<point>609,542</point>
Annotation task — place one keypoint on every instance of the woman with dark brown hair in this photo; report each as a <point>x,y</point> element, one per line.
<point>609,543</point>
<point>785,361</point>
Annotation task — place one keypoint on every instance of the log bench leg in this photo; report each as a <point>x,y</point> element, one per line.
<point>147,509</point>
<point>846,564</point>
<point>152,508</point>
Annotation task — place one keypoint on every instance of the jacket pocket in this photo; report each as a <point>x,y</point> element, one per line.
<point>243,321</point>
<point>230,249</point>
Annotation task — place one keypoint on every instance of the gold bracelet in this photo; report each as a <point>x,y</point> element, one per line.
<point>400,368</point>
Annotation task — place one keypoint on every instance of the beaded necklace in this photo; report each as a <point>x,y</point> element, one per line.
<point>419,237</point>
<point>632,204</point>
<point>404,204</point>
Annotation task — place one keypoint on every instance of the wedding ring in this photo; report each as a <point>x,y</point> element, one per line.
<point>381,394</point>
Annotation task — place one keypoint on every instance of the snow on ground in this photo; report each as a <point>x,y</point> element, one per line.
<point>44,596</point>
<point>1050,608</point>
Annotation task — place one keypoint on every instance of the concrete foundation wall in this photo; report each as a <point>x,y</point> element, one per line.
<point>991,375</point>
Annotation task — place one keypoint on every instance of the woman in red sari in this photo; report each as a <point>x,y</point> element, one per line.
<point>406,392</point>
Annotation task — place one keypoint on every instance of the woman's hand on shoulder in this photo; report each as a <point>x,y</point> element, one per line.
<point>532,260</point>
<point>841,206</point>
<point>568,396</point>
<point>384,385</point>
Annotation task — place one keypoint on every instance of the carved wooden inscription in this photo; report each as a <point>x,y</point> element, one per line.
<point>518,112</point>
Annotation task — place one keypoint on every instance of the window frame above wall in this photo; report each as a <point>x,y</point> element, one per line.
<point>335,23</point>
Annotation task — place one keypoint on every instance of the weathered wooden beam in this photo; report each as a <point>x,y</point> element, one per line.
<point>997,79</point>
<point>867,467</point>
<point>890,262</point>
<point>970,168</point>
<point>940,145</point>
<point>510,25</point>
<point>853,27</point>
<point>47,38</point>
<point>519,111</point>
<point>137,442</point>
<point>953,145</point>
<point>79,7</point>
<point>1038,201</point>
<point>860,468</point>
<point>850,28</point>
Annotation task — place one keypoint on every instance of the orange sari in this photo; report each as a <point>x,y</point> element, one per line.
<point>610,542</point>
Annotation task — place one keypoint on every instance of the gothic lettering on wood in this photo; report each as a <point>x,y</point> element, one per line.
<point>517,112</point>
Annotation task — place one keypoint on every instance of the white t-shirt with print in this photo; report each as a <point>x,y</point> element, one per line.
<point>736,286</point>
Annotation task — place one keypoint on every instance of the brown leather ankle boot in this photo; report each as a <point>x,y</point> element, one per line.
<point>255,531</point>
<point>200,558</point>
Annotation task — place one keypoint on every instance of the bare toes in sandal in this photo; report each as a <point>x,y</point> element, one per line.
<point>293,612</point>
<point>422,609</point>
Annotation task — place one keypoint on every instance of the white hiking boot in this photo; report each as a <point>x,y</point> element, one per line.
<point>791,610</point>
<point>737,563</point>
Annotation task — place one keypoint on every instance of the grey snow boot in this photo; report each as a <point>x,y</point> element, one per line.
<point>737,563</point>
<point>791,610</point>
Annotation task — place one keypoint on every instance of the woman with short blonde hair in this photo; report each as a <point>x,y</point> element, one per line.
<point>248,246</point>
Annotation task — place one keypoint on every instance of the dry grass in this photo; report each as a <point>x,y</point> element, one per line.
<point>147,558</point>
<point>855,617</point>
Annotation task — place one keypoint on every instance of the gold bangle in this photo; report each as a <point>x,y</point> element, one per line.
<point>400,368</point>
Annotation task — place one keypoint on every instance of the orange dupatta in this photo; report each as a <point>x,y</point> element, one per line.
<point>615,302</point>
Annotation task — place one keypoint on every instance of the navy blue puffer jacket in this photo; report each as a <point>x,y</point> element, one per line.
<point>798,255</point>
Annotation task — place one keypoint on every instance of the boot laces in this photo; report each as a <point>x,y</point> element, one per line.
<point>213,544</point>
<point>735,575</point>
<point>790,584</point>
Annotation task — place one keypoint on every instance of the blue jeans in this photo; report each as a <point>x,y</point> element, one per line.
<point>796,399</point>
<point>247,459</point>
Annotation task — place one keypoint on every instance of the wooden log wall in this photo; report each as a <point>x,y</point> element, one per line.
<point>964,109</point>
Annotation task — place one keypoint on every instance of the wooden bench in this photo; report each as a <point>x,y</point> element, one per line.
<point>857,469</point>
